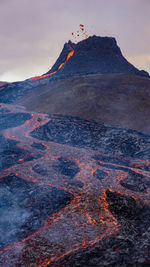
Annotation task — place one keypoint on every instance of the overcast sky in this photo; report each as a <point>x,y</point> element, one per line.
<point>33,32</point>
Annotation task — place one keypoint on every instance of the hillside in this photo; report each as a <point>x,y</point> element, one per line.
<point>116,99</point>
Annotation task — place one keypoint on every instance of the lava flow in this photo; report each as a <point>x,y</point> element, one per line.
<point>70,54</point>
<point>62,191</point>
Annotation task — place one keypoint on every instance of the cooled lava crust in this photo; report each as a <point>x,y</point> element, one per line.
<point>73,192</point>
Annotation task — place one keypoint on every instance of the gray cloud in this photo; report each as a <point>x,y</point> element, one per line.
<point>32,32</point>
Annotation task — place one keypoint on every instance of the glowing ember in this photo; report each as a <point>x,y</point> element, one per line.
<point>20,159</point>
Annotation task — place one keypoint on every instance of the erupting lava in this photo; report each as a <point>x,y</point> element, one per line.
<point>82,33</point>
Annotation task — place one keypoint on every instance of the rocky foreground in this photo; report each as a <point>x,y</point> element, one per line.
<point>73,192</point>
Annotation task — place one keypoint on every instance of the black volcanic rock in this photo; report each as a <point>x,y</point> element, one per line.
<point>108,140</point>
<point>13,120</point>
<point>67,167</point>
<point>144,73</point>
<point>95,55</point>
<point>120,205</point>
<point>24,207</point>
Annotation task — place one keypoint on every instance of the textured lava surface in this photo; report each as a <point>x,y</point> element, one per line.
<point>73,192</point>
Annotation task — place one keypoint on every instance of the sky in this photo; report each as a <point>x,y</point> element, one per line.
<point>33,32</point>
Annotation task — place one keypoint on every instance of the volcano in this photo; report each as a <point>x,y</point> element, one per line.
<point>91,56</point>
<point>75,162</point>
<point>92,80</point>
<point>94,55</point>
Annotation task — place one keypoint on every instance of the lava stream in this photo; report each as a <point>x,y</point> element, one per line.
<point>60,66</point>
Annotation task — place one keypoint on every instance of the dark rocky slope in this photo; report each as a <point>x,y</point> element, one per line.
<point>95,55</point>
<point>116,99</point>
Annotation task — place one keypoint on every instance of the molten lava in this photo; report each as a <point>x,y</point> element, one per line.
<point>92,179</point>
<point>61,65</point>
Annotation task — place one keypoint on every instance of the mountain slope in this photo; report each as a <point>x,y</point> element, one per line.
<point>116,99</point>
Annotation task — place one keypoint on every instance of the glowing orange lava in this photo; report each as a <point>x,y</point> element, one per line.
<point>61,65</point>
<point>87,219</point>
<point>20,159</point>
